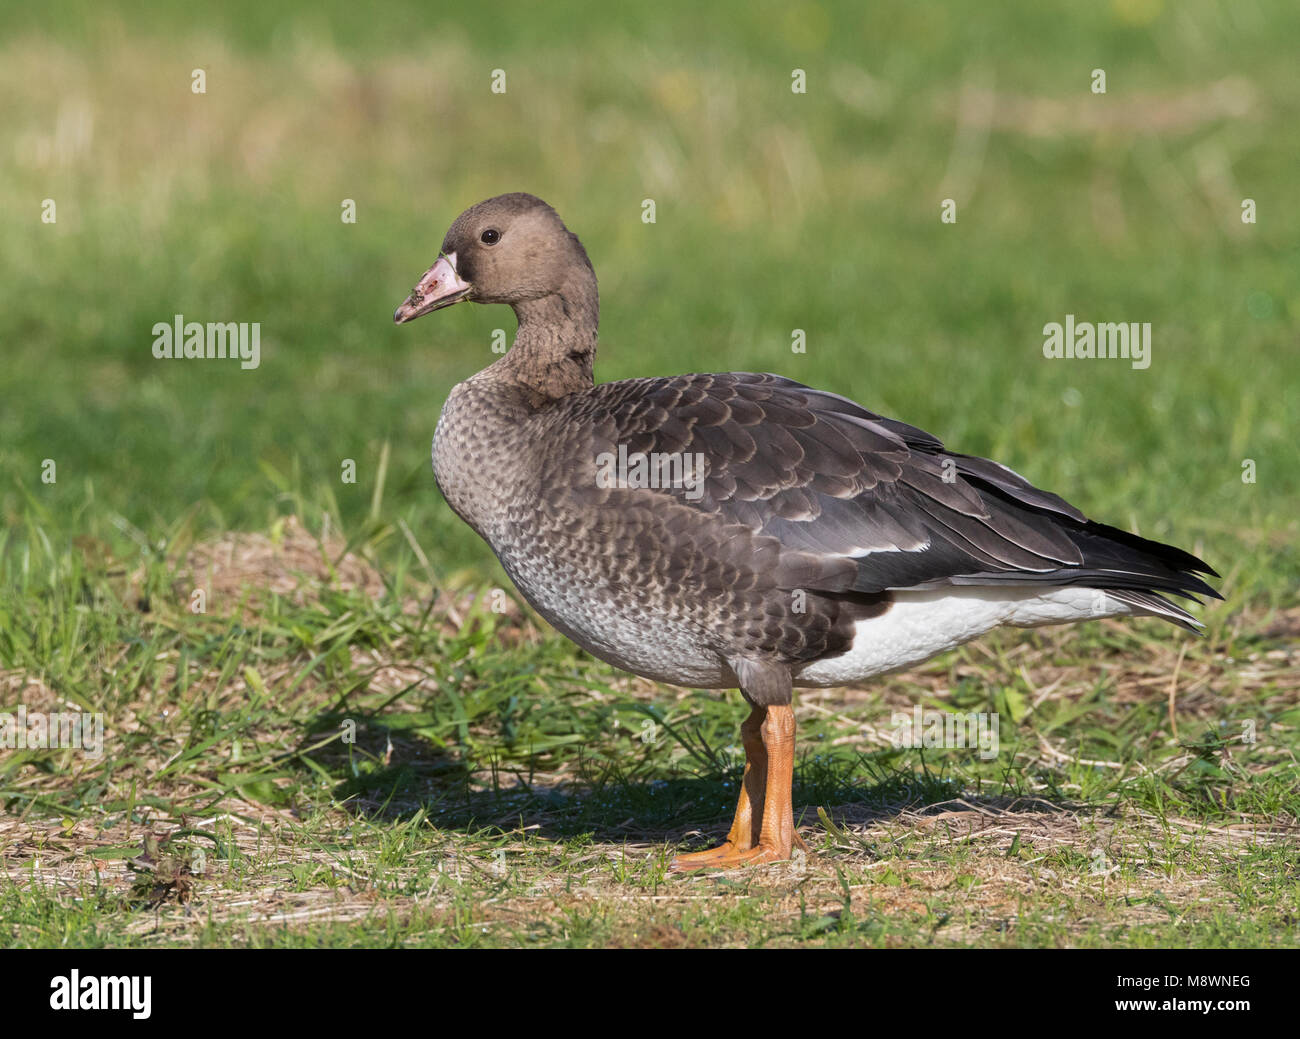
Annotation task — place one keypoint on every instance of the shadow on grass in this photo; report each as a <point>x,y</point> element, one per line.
<point>391,776</point>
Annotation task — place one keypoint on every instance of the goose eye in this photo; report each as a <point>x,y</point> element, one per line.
<point>490,237</point>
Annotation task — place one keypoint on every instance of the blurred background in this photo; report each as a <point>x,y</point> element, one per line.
<point>774,211</point>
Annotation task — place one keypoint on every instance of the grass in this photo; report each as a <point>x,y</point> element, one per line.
<point>332,757</point>
<point>502,788</point>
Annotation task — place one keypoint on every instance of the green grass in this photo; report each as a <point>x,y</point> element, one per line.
<point>496,787</point>
<point>500,790</point>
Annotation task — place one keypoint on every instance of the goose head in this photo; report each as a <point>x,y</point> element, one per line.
<point>509,249</point>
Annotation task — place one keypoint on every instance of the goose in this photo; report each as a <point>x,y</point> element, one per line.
<point>737,530</point>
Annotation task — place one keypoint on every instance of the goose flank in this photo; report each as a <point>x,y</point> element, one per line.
<point>820,543</point>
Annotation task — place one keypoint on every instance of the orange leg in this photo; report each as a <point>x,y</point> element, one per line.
<point>763,830</point>
<point>753,787</point>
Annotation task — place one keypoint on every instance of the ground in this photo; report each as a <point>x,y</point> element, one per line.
<point>503,790</point>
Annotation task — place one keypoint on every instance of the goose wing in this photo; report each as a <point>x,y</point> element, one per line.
<point>825,477</point>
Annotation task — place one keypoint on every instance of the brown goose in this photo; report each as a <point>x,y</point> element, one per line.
<point>738,530</point>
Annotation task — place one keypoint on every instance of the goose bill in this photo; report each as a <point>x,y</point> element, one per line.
<point>440,286</point>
